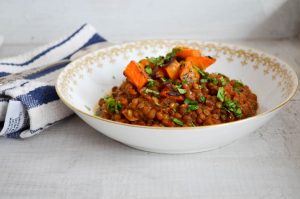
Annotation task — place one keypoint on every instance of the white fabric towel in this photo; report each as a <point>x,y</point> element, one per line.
<point>30,105</point>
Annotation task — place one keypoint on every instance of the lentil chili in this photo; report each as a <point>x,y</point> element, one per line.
<point>175,91</point>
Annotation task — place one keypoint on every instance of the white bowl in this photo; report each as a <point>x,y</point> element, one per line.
<point>84,81</point>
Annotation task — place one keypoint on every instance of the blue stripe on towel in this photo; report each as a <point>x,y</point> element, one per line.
<point>38,96</point>
<point>46,51</point>
<point>16,134</point>
<point>3,74</point>
<point>45,72</point>
<point>93,40</point>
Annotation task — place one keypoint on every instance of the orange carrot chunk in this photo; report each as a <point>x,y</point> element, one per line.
<point>202,62</point>
<point>172,69</point>
<point>135,74</point>
<point>187,52</point>
<point>159,73</point>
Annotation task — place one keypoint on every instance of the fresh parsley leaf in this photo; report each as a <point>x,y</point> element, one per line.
<point>238,112</point>
<point>147,90</point>
<point>202,99</point>
<point>164,79</point>
<point>205,77</point>
<point>192,107</point>
<point>232,106</point>
<point>171,54</point>
<point>178,121</point>
<point>190,102</point>
<point>148,70</point>
<point>238,83</point>
<point>229,105</point>
<point>112,104</point>
<point>237,86</point>
<point>202,73</point>
<point>150,83</point>
<point>187,101</point>
<point>221,94</point>
<point>223,81</point>
<point>181,90</point>
<point>213,80</point>
<point>159,61</point>
<point>184,81</point>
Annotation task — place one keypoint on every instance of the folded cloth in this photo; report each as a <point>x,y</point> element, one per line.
<point>30,105</point>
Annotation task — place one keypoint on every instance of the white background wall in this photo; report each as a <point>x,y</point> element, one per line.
<point>37,21</point>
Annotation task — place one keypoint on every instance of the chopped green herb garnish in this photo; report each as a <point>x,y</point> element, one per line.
<point>112,104</point>
<point>213,80</point>
<point>223,81</point>
<point>221,94</point>
<point>181,90</point>
<point>202,99</point>
<point>161,60</point>
<point>164,79</point>
<point>202,73</point>
<point>178,121</point>
<point>148,70</point>
<point>232,106</point>
<point>237,86</point>
<point>184,81</point>
<point>157,60</point>
<point>190,102</point>
<point>150,83</point>
<point>171,54</point>
<point>203,80</point>
<point>239,83</point>
<point>238,112</point>
<point>205,76</point>
<point>192,107</point>
<point>147,90</point>
<point>187,101</point>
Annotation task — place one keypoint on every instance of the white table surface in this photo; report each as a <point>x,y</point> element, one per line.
<point>71,160</point>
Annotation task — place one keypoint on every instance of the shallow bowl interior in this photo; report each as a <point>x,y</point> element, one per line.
<point>84,81</point>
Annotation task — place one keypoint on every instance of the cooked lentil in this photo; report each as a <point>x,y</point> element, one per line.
<point>175,91</point>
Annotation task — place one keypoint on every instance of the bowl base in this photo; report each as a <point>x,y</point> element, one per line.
<point>166,151</point>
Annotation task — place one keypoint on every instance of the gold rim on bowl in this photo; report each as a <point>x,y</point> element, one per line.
<point>182,42</point>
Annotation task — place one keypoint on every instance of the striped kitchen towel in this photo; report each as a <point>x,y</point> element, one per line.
<point>30,105</point>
